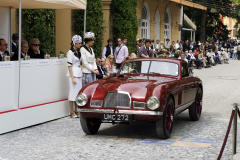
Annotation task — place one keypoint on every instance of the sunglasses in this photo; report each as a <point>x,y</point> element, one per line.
<point>99,61</point>
<point>36,45</point>
<point>111,58</point>
<point>118,41</point>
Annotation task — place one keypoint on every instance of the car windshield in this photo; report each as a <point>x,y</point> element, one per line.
<point>150,67</point>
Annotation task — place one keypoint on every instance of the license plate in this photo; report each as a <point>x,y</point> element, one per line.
<point>116,117</point>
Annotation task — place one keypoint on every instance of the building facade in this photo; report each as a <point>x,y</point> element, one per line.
<point>231,25</point>
<point>158,19</point>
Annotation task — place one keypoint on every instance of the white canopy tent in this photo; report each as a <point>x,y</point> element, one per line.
<point>41,4</point>
<point>44,4</point>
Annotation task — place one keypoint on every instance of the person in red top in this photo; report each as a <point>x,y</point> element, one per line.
<point>195,52</point>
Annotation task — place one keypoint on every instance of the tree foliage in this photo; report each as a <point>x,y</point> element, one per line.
<point>94,23</point>
<point>215,29</point>
<point>125,22</point>
<point>40,23</point>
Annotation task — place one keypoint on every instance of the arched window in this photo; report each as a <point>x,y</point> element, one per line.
<point>167,28</point>
<point>144,13</point>
<point>145,21</point>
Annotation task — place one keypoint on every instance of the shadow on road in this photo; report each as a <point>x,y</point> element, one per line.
<point>143,129</point>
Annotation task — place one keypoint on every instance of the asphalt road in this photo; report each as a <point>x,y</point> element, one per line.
<point>64,138</point>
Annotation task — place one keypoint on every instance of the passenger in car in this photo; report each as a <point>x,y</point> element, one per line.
<point>146,51</point>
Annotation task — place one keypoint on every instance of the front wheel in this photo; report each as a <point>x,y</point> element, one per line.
<point>90,125</point>
<point>195,109</point>
<point>165,124</point>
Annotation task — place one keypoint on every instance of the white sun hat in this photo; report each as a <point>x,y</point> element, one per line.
<point>76,39</point>
<point>89,35</point>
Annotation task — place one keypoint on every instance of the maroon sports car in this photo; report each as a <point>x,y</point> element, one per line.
<point>145,89</point>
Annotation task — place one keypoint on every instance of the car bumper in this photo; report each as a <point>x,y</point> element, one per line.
<point>112,111</point>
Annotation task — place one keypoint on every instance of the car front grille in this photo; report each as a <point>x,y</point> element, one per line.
<point>117,99</point>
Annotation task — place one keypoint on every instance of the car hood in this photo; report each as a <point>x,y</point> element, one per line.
<point>137,87</point>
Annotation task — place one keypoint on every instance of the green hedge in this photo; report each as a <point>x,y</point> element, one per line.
<point>94,23</point>
<point>40,23</point>
<point>125,22</point>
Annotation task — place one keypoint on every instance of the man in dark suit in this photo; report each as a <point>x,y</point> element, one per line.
<point>186,46</point>
<point>3,49</point>
<point>102,71</point>
<point>34,51</point>
<point>15,39</point>
<point>24,51</point>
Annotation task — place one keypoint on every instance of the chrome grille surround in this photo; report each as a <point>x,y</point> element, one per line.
<point>96,103</point>
<point>139,105</point>
<point>117,99</point>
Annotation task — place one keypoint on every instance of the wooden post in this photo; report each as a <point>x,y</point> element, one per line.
<point>203,26</point>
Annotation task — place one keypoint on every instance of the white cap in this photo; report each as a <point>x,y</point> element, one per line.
<point>76,39</point>
<point>89,35</point>
<point>161,42</point>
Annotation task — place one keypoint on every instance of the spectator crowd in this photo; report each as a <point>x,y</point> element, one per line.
<point>27,49</point>
<point>84,67</point>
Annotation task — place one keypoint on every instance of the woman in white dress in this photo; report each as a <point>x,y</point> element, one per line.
<point>74,73</point>
<point>89,67</point>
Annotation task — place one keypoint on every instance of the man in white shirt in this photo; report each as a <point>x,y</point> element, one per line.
<point>3,48</point>
<point>167,44</point>
<point>120,53</point>
<point>183,57</point>
<point>210,57</point>
<point>177,45</point>
<point>108,49</point>
<point>225,56</point>
<point>157,46</point>
<point>161,45</point>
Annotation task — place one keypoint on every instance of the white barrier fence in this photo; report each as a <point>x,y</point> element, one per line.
<point>43,92</point>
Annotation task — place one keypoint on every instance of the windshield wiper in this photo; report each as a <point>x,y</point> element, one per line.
<point>155,73</point>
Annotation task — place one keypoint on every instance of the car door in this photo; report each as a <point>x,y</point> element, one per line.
<point>186,83</point>
<point>189,89</point>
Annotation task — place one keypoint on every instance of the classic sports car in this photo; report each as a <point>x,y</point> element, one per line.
<point>145,89</point>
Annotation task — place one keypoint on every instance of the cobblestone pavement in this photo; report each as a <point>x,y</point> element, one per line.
<point>64,139</point>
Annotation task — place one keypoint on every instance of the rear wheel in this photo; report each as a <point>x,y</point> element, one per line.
<point>90,125</point>
<point>165,124</point>
<point>195,109</point>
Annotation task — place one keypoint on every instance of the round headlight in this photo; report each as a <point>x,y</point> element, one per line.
<point>81,99</point>
<point>153,103</point>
